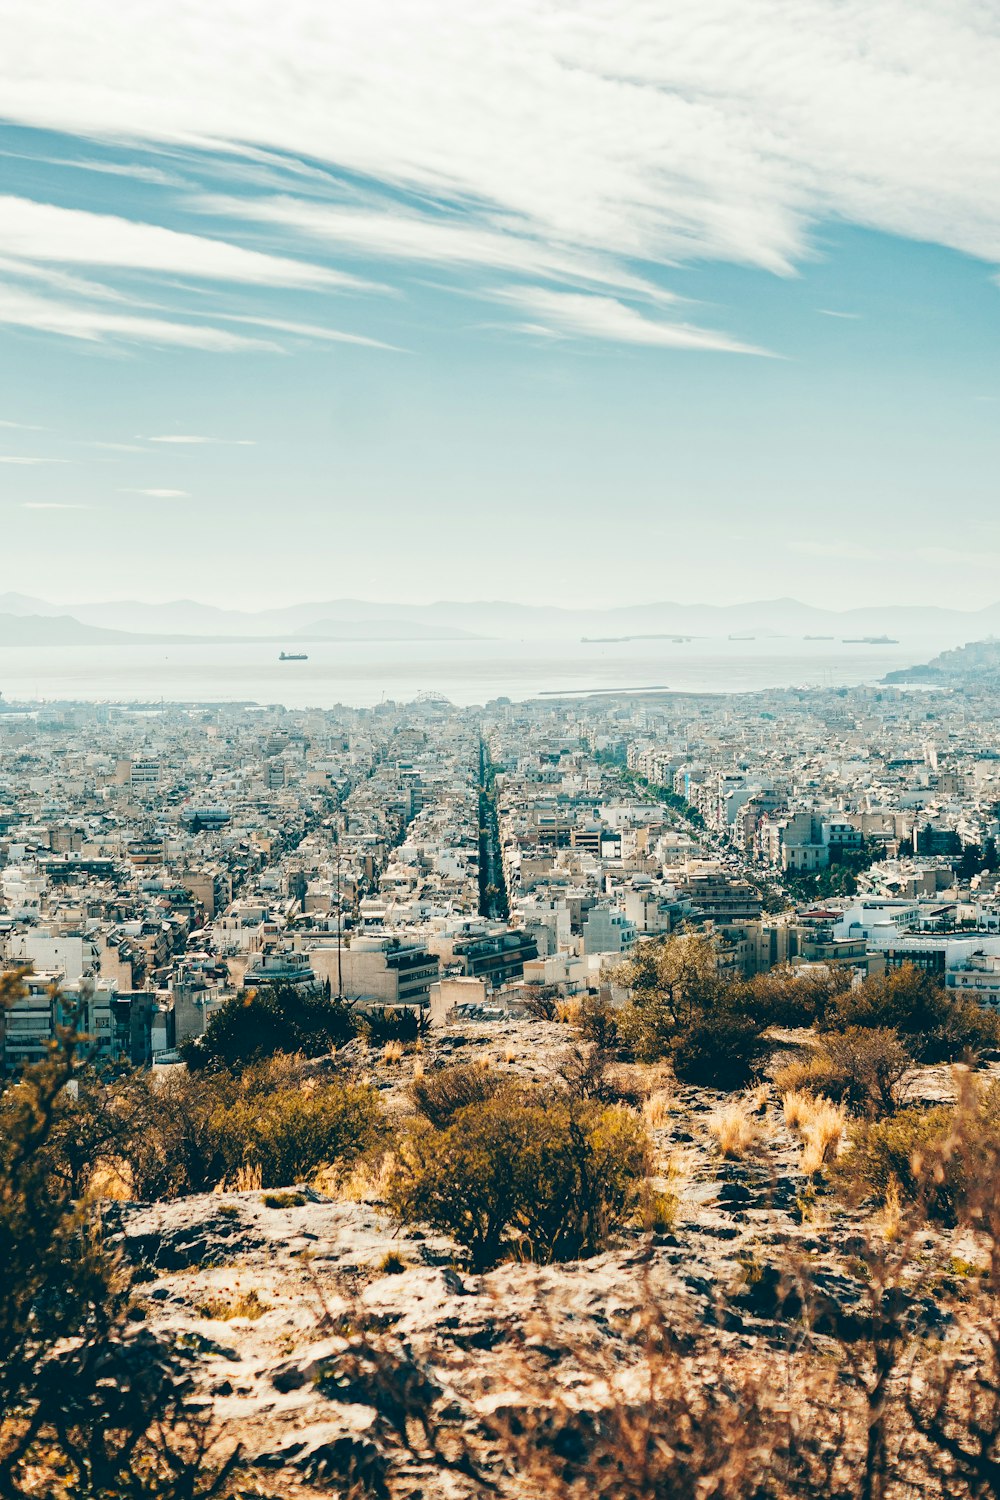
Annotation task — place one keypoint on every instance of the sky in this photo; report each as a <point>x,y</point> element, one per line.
<point>604,301</point>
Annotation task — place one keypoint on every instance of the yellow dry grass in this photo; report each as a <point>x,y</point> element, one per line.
<point>656,1109</point>
<point>797,1107</point>
<point>392,1052</point>
<point>367,1181</point>
<point>822,1131</point>
<point>890,1217</point>
<point>247,1180</point>
<point>242,1305</point>
<point>734,1130</point>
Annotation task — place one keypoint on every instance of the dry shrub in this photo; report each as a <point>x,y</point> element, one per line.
<point>806,1073</point>
<point>113,1181</point>
<point>392,1052</point>
<point>439,1096</point>
<point>864,1068</point>
<point>734,1130</point>
<point>569,1012</point>
<point>659,1210</point>
<point>890,1219</point>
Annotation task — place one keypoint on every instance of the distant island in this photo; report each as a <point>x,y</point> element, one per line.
<point>975,664</point>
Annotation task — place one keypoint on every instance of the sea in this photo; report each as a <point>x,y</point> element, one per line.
<point>467,672</point>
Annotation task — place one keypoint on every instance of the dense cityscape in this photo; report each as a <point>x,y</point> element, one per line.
<point>440,861</point>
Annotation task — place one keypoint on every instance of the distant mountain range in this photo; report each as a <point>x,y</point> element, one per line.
<point>358,619</point>
<point>59,629</point>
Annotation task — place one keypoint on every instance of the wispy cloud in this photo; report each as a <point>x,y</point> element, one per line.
<point>308,330</point>
<point>23,426</point>
<point>159,494</point>
<point>31,232</point>
<point>581,149</point>
<point>52,505</point>
<point>136,170</point>
<point>434,238</point>
<point>192,438</point>
<point>832,312</point>
<point>607,318</point>
<point>28,462</point>
<point>94,324</point>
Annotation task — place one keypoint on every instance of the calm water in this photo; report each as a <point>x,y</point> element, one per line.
<point>362,673</point>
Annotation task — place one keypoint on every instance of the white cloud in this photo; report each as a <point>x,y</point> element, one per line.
<point>31,232</point>
<point>159,494</point>
<point>74,320</point>
<point>191,438</point>
<point>23,426</point>
<point>436,239</point>
<point>830,312</point>
<point>18,458</point>
<point>51,505</point>
<point>307,330</point>
<point>606,318</point>
<point>636,129</point>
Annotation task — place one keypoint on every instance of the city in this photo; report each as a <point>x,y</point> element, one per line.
<point>431,859</point>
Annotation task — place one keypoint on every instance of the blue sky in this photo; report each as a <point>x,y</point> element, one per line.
<point>690,301</point>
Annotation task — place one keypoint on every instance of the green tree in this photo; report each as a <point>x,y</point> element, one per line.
<point>256,1024</point>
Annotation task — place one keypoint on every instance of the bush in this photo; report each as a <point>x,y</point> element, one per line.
<point>89,1407</point>
<point>545,1181</point>
<point>723,1048</point>
<point>894,1155</point>
<point>599,1023</point>
<point>788,997</point>
<point>290,1135</point>
<point>937,1026</point>
<point>383,1027</point>
<point>860,1067</point>
<point>256,1024</point>
<point>440,1096</point>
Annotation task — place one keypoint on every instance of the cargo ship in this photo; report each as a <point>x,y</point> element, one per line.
<point>293,656</point>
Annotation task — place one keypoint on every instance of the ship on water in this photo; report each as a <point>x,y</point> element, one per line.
<point>293,656</point>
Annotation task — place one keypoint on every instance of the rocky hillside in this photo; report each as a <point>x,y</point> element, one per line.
<point>328,1340</point>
